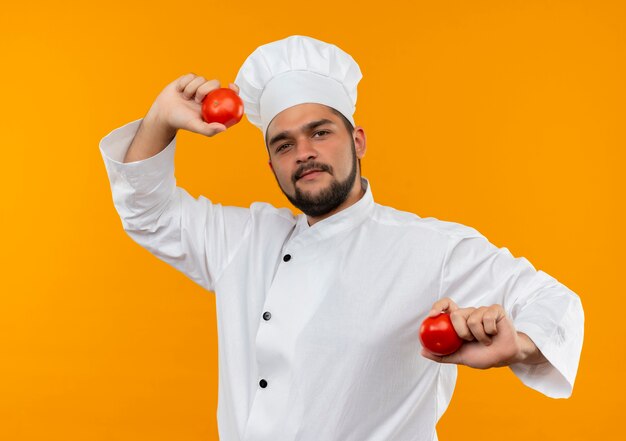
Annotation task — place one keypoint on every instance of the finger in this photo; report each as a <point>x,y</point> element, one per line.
<point>205,88</point>
<point>475,324</point>
<point>491,318</point>
<point>444,305</point>
<point>190,89</point>
<point>234,87</point>
<point>182,82</point>
<point>207,129</point>
<point>459,321</point>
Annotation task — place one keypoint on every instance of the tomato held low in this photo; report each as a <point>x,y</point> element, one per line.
<point>438,335</point>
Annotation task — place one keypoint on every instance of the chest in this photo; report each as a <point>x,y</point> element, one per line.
<point>361,290</point>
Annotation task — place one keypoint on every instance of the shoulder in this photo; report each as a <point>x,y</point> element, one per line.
<point>395,218</point>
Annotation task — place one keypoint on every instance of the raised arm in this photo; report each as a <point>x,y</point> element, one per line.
<point>195,236</point>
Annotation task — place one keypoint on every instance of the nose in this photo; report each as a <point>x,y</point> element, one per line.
<point>305,151</point>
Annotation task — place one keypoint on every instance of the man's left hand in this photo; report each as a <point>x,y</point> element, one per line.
<point>490,338</point>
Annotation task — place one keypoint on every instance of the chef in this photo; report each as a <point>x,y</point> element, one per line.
<point>319,314</point>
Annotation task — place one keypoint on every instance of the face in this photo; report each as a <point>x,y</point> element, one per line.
<point>314,157</point>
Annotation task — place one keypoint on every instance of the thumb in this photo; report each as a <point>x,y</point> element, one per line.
<point>444,305</point>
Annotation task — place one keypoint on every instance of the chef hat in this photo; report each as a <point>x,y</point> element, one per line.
<point>293,71</point>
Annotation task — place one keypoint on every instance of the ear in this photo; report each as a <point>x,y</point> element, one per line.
<point>360,141</point>
<point>270,164</point>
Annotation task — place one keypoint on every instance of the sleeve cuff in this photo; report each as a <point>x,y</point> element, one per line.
<point>141,174</point>
<point>116,143</point>
<point>552,378</point>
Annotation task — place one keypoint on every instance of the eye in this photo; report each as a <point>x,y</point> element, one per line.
<point>281,147</point>
<point>322,131</point>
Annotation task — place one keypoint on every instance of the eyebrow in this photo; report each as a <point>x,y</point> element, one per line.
<point>305,128</point>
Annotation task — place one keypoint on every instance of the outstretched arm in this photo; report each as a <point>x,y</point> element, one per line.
<point>511,314</point>
<point>490,338</point>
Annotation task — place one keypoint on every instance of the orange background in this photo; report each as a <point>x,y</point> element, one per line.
<point>507,116</point>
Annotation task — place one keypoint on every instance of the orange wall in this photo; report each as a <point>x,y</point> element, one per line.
<point>507,116</point>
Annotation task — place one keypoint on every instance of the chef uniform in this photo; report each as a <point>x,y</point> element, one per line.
<point>318,325</point>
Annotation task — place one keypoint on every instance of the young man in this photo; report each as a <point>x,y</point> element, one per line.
<point>318,314</point>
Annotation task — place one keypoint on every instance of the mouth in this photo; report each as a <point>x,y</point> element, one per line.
<point>310,174</point>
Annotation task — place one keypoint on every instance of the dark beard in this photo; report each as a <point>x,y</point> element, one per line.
<point>329,198</point>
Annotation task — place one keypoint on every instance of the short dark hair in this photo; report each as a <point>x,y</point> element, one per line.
<point>346,122</point>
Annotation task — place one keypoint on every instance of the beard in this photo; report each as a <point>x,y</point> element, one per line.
<point>328,198</point>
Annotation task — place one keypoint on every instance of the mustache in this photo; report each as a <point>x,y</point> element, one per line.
<point>308,167</point>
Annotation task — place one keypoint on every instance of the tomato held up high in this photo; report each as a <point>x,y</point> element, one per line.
<point>438,335</point>
<point>222,105</point>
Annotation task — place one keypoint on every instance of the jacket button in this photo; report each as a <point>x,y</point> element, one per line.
<point>263,383</point>
<point>287,257</point>
<point>267,315</point>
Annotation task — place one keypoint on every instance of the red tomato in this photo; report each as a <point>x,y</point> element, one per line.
<point>438,335</point>
<point>222,105</point>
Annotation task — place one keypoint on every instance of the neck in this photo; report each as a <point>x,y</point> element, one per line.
<point>355,195</point>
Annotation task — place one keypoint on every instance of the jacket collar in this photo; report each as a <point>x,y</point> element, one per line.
<point>344,220</point>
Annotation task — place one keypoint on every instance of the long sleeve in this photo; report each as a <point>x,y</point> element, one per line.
<point>477,273</point>
<point>195,236</point>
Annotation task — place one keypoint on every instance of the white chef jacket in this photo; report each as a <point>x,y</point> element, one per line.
<point>318,325</point>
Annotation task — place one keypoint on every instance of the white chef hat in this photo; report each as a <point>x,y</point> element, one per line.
<point>293,71</point>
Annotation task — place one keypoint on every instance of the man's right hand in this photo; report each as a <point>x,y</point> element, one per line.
<point>179,105</point>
